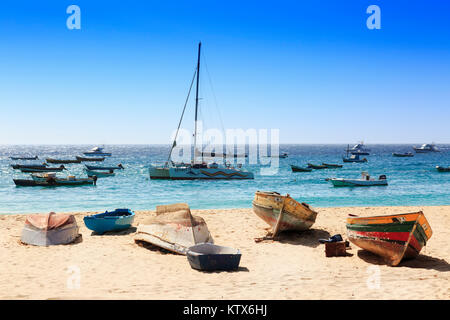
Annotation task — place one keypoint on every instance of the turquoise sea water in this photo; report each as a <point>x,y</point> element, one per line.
<point>412,181</point>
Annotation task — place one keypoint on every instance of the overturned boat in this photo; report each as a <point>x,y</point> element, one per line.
<point>282,212</point>
<point>49,229</point>
<point>174,229</point>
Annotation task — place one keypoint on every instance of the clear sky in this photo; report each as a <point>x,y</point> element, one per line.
<point>309,68</point>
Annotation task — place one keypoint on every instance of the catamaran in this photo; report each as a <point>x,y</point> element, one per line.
<point>198,168</point>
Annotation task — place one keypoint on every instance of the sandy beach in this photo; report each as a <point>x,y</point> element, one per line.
<point>113,266</point>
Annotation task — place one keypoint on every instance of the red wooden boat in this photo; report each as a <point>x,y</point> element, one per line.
<point>394,237</point>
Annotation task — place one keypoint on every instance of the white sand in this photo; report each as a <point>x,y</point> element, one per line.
<point>115,267</point>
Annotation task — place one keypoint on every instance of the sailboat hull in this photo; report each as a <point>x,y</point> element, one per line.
<point>208,174</point>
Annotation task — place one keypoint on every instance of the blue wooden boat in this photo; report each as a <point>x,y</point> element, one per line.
<point>24,158</point>
<point>100,174</point>
<point>119,219</point>
<point>211,257</point>
<point>119,166</point>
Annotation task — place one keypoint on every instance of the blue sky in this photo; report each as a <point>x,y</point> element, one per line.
<point>309,68</point>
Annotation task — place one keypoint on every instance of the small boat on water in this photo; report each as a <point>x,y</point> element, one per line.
<point>443,169</point>
<point>49,229</point>
<point>283,155</point>
<point>89,159</point>
<point>50,160</point>
<point>118,167</point>
<point>24,158</point>
<point>366,181</point>
<point>211,257</point>
<point>332,165</point>
<point>53,181</point>
<point>119,219</point>
<point>403,155</point>
<point>282,212</point>
<point>360,149</point>
<point>174,228</point>
<point>393,237</point>
<point>426,148</point>
<point>100,174</point>
<point>314,166</point>
<point>29,166</point>
<point>97,151</point>
<point>43,169</point>
<point>353,158</point>
<point>300,169</point>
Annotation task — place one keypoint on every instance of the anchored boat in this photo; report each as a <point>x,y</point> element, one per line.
<point>443,169</point>
<point>198,168</point>
<point>89,159</point>
<point>100,174</point>
<point>282,212</point>
<point>29,166</point>
<point>50,160</point>
<point>97,151</point>
<point>118,167</point>
<point>393,237</point>
<point>53,181</point>
<point>403,155</point>
<point>365,181</point>
<point>300,169</point>
<point>43,169</point>
<point>119,219</point>
<point>24,158</point>
<point>353,158</point>
<point>331,165</point>
<point>426,148</point>
<point>360,149</point>
<point>314,166</point>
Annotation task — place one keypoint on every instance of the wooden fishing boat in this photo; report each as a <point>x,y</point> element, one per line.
<point>43,169</point>
<point>24,158</point>
<point>300,169</point>
<point>403,155</point>
<point>119,166</point>
<point>282,212</point>
<point>174,229</point>
<point>393,237</point>
<point>119,219</point>
<point>365,181</point>
<point>100,174</point>
<point>50,160</point>
<point>49,229</point>
<point>29,166</point>
<point>314,166</point>
<point>55,182</point>
<point>283,155</point>
<point>211,257</point>
<point>443,169</point>
<point>89,159</point>
<point>331,165</point>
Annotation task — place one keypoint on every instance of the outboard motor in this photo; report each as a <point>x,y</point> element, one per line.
<point>95,180</point>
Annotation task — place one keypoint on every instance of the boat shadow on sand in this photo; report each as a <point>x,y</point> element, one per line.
<point>422,261</point>
<point>309,238</point>
<point>116,233</point>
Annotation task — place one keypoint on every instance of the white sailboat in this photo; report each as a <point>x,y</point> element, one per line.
<point>198,168</point>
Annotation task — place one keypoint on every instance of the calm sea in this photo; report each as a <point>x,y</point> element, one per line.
<point>412,181</point>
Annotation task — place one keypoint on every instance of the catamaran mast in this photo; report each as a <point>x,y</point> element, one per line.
<point>196,102</point>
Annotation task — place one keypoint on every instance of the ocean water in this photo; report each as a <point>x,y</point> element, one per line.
<point>412,181</point>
